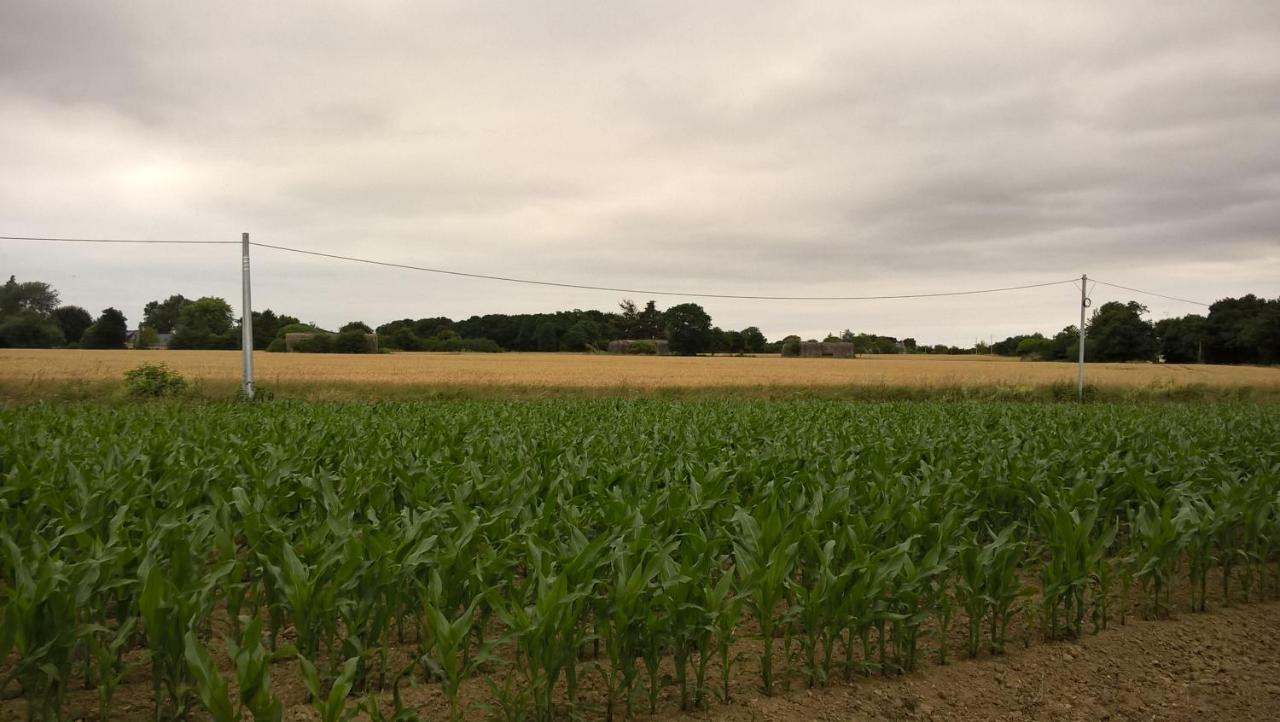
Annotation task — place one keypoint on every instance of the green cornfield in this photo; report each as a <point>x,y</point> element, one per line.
<point>599,558</point>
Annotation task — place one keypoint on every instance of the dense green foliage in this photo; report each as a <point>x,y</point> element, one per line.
<point>107,331</point>
<point>154,381</point>
<point>551,540</point>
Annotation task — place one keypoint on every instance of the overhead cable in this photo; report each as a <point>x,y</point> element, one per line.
<point>648,292</point>
<point>589,287</point>
<point>115,240</point>
<point>1151,293</point>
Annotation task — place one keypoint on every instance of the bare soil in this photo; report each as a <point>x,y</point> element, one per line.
<point>1223,664</point>
<point>1220,665</point>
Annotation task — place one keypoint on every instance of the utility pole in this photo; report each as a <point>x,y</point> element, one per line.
<point>1084,303</point>
<point>247,321</point>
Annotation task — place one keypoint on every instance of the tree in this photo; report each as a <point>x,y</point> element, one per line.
<point>1182,340</point>
<point>1036,347</point>
<point>909,345</point>
<point>28,329</point>
<point>688,329</point>
<point>1243,330</point>
<point>356,326</point>
<point>351,340</point>
<point>579,337</point>
<point>108,331</point>
<point>1117,332</point>
<point>790,345</point>
<point>628,319</point>
<point>735,341</point>
<point>649,322</point>
<point>753,341</point>
<point>205,323</point>
<point>73,321</point>
<point>26,297</point>
<point>1066,344</point>
<point>163,315</point>
<point>267,325</point>
<point>546,337</point>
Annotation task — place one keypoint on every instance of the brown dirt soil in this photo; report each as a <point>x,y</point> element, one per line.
<point>1219,665</point>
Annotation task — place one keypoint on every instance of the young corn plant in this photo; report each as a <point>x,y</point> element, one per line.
<point>446,657</point>
<point>39,621</point>
<point>764,555</point>
<point>331,705</point>
<point>1157,548</point>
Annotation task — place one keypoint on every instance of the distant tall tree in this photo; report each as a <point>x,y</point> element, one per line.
<point>73,321</point>
<point>1243,330</point>
<point>1066,344</point>
<point>1182,340</point>
<point>205,323</point>
<point>735,341</point>
<point>356,326</point>
<point>28,329</point>
<point>628,318</point>
<point>688,329</point>
<point>649,322</point>
<point>163,315</point>
<point>27,296</point>
<point>108,331</point>
<point>267,325</point>
<point>753,341</point>
<point>1117,332</point>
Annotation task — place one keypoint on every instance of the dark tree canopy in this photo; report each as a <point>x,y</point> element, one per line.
<point>108,331</point>
<point>73,321</point>
<point>1182,340</point>
<point>688,329</point>
<point>360,326</point>
<point>26,297</point>
<point>753,341</point>
<point>1117,332</point>
<point>206,323</point>
<point>163,315</point>
<point>28,329</point>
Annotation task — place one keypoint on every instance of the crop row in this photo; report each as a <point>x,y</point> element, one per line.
<point>535,544</point>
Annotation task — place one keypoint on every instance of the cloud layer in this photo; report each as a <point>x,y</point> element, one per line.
<point>778,149</point>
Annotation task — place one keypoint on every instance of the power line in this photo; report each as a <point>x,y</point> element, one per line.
<point>647,292</point>
<point>1151,293</point>
<point>113,240</point>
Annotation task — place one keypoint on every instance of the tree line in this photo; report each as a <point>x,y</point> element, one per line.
<point>1243,330</point>
<point>1236,330</point>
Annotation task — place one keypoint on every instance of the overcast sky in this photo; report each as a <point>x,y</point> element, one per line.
<point>744,148</point>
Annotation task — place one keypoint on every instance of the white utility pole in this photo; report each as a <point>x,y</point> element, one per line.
<point>1084,303</point>
<point>247,321</point>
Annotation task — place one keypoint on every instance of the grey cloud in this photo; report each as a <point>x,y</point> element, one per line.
<point>821,148</point>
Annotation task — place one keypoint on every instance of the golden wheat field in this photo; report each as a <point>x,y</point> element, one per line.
<point>598,370</point>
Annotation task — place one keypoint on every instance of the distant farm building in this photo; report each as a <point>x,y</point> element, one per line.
<point>652,346</point>
<point>144,338</point>
<point>830,349</point>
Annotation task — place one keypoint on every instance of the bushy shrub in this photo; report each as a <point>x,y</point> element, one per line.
<point>644,348</point>
<point>319,343</point>
<point>351,341</point>
<point>154,381</point>
<point>277,346</point>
